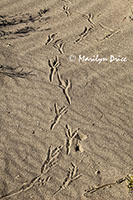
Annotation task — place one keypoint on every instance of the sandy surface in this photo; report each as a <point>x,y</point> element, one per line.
<point>84,109</point>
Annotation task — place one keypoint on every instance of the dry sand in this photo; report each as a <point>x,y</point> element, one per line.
<point>38,107</point>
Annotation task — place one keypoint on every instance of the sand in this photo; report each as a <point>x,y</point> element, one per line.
<point>66,109</point>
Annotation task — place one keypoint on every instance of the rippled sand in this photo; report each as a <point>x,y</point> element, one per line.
<point>45,91</point>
